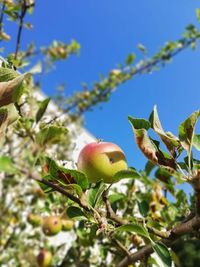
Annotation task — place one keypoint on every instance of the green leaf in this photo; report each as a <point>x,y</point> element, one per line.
<point>3,118</point>
<point>115,197</point>
<point>37,68</point>
<point>130,59</point>
<point>129,173</point>
<point>175,259</point>
<point>139,123</point>
<point>7,74</point>
<point>143,141</point>
<point>142,48</point>
<point>186,131</point>
<point>67,176</point>
<point>51,134</point>
<point>95,193</point>
<point>76,188</point>
<point>143,208</point>
<point>198,14</point>
<point>149,167</point>
<point>135,228</point>
<point>42,108</point>
<point>11,91</point>
<point>163,175</point>
<point>75,212</point>
<point>171,141</point>
<point>148,146</point>
<point>163,254</point>
<point>79,177</point>
<point>6,165</point>
<point>44,187</point>
<point>13,113</point>
<point>196,141</point>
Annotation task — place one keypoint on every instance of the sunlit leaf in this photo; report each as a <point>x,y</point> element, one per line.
<point>95,193</point>
<point>163,254</point>
<point>149,147</point>
<point>143,207</point>
<point>129,173</point>
<point>75,212</point>
<point>134,228</point>
<point>186,131</point>
<point>196,141</point>
<point>6,165</point>
<point>67,176</point>
<point>51,134</point>
<point>11,91</point>
<point>42,108</point>
<point>171,141</point>
<point>130,59</point>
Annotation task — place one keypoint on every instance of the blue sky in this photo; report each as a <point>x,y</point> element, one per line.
<point>108,30</point>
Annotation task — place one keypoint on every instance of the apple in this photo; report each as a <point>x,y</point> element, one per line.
<point>52,225</point>
<point>34,219</point>
<point>67,224</point>
<point>44,258</point>
<point>101,161</point>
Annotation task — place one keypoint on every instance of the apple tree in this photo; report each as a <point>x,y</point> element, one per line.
<point>119,216</point>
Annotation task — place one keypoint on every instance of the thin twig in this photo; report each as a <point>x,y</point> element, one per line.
<point>59,189</point>
<point>158,233</point>
<point>2,15</point>
<point>110,213</point>
<point>121,246</point>
<point>21,22</point>
<point>147,67</point>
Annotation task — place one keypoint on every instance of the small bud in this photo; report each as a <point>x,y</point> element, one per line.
<point>5,36</point>
<point>136,240</point>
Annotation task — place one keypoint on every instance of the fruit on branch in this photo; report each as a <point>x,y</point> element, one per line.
<point>67,224</point>
<point>52,225</point>
<point>44,258</point>
<point>101,161</point>
<point>34,219</point>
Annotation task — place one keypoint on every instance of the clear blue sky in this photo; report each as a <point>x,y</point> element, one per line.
<point>108,30</point>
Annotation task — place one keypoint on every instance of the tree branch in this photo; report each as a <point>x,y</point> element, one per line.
<point>110,213</point>
<point>121,246</point>
<point>147,66</point>
<point>59,189</point>
<point>159,233</point>
<point>196,186</point>
<point>175,234</point>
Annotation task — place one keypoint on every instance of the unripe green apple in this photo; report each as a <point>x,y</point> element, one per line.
<point>44,258</point>
<point>34,219</point>
<point>101,161</point>
<point>52,225</point>
<point>67,224</point>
